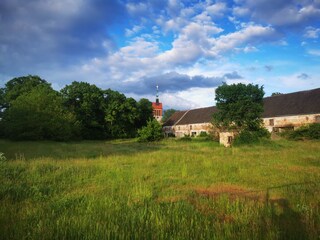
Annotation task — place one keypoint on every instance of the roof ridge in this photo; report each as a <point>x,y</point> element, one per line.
<point>293,93</point>
<point>181,117</point>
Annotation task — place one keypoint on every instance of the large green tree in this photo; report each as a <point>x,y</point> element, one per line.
<point>145,112</point>
<point>86,101</point>
<point>239,107</point>
<point>13,89</point>
<point>122,114</point>
<point>39,114</point>
<point>21,85</point>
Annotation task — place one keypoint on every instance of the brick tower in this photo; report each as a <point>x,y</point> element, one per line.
<point>157,107</point>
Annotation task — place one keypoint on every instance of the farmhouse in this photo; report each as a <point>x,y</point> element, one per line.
<point>281,112</point>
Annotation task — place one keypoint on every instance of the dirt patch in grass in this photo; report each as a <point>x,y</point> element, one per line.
<point>233,191</point>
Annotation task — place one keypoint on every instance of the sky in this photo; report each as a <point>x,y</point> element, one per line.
<point>188,48</point>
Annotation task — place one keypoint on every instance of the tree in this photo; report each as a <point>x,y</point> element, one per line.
<point>167,114</point>
<point>150,133</point>
<point>39,115</point>
<point>86,101</point>
<point>276,94</point>
<point>21,85</point>
<point>145,112</point>
<point>239,107</point>
<point>122,114</point>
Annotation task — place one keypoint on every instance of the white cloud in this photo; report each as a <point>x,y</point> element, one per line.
<point>137,8</point>
<point>251,34</point>
<point>216,10</point>
<point>314,52</point>
<point>240,11</point>
<point>280,12</point>
<point>135,29</point>
<point>312,32</point>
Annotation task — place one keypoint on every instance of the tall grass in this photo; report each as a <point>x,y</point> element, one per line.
<point>167,190</point>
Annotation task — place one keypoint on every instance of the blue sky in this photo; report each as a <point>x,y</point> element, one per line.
<point>188,48</point>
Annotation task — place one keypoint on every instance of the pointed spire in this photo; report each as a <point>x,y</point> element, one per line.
<point>157,96</point>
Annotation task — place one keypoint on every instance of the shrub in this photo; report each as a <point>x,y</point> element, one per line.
<point>2,157</point>
<point>251,137</point>
<point>185,138</point>
<point>203,134</point>
<point>311,131</point>
<point>151,132</point>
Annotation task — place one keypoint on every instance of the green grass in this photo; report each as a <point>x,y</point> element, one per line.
<point>166,190</point>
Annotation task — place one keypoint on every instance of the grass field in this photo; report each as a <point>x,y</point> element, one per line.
<point>166,190</point>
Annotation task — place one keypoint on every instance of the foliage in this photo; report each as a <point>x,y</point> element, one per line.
<point>95,113</point>
<point>172,190</point>
<point>2,157</point>
<point>276,94</point>
<point>145,112</point>
<point>39,114</point>
<point>86,101</point>
<point>203,134</point>
<point>185,138</point>
<point>311,131</point>
<point>121,115</point>
<point>152,132</point>
<point>239,107</point>
<point>21,85</point>
<point>167,114</point>
<point>251,137</point>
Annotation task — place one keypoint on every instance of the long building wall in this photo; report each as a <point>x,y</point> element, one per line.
<point>275,124</point>
<point>272,124</point>
<point>188,129</point>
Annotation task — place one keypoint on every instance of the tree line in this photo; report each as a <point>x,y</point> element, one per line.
<point>30,109</point>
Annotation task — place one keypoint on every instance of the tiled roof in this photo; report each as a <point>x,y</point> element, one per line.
<point>174,118</point>
<point>200,115</point>
<point>298,103</point>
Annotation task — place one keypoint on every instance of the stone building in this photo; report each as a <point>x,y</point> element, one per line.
<point>291,111</point>
<point>191,122</point>
<point>285,111</point>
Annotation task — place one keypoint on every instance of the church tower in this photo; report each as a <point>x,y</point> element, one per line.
<point>157,107</point>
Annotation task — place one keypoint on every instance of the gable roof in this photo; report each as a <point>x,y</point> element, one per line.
<point>297,103</point>
<point>200,115</point>
<point>174,118</point>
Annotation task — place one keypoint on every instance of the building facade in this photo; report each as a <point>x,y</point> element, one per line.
<point>281,112</point>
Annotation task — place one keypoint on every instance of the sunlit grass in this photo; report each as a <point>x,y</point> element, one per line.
<point>171,189</point>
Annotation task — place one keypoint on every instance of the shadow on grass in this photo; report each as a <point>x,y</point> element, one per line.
<point>288,221</point>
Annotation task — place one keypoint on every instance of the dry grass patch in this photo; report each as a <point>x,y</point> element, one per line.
<point>232,191</point>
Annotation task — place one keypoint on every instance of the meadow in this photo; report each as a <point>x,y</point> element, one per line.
<point>166,190</point>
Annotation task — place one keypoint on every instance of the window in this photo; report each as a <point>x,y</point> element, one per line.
<point>317,118</point>
<point>190,127</point>
<point>178,128</point>
<point>230,139</point>
<point>271,122</point>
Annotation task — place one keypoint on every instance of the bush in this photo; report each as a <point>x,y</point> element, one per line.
<point>185,138</point>
<point>251,137</point>
<point>203,134</point>
<point>311,131</point>
<point>2,157</point>
<point>150,133</point>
